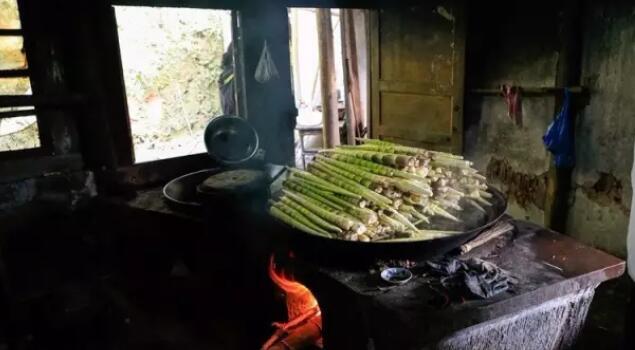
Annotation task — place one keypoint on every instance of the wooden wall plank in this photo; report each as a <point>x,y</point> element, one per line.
<point>417,73</point>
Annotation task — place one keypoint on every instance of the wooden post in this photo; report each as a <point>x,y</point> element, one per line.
<point>240,84</point>
<point>295,61</point>
<point>270,107</point>
<point>568,74</point>
<point>330,123</point>
<point>351,81</point>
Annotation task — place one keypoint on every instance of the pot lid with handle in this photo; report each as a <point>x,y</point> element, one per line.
<point>231,140</point>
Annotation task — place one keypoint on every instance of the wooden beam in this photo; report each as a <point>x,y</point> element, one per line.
<point>533,90</point>
<point>14,73</point>
<point>10,32</point>
<point>19,113</point>
<point>198,4</point>
<point>33,166</point>
<point>239,67</point>
<point>330,125</point>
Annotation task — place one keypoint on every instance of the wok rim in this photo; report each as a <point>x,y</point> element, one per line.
<point>169,184</point>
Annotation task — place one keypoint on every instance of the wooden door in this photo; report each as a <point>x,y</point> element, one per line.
<point>417,70</point>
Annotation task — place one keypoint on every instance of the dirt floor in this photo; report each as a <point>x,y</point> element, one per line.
<point>605,326</point>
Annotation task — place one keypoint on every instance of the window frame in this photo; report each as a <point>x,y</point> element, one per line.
<point>45,145</point>
<point>130,164</point>
<point>52,110</point>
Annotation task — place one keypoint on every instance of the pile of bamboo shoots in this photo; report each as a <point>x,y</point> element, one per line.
<point>379,191</point>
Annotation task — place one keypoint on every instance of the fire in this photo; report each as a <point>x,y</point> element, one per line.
<point>304,324</point>
<point>299,298</point>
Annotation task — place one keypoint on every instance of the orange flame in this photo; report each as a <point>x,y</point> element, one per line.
<point>299,298</point>
<point>304,324</point>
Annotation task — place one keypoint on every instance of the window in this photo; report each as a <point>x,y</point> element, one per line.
<point>175,61</point>
<point>18,125</point>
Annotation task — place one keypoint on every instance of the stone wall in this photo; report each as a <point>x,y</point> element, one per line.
<point>600,202</point>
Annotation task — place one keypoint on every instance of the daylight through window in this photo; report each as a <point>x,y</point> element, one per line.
<point>18,125</point>
<point>176,66</point>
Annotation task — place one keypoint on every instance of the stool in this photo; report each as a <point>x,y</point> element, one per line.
<point>306,130</point>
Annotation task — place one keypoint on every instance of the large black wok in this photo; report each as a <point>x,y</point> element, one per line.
<point>342,252</point>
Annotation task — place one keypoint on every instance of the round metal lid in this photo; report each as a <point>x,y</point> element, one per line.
<point>230,139</point>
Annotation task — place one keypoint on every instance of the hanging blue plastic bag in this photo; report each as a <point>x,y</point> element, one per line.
<point>559,136</point>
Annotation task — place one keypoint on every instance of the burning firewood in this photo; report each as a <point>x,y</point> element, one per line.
<point>304,325</point>
<point>306,334</point>
<point>299,333</point>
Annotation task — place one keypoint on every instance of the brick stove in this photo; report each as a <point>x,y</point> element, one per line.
<point>556,278</point>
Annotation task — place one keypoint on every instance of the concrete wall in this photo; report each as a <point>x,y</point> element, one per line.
<point>605,130</point>
<point>521,48</point>
<point>508,47</point>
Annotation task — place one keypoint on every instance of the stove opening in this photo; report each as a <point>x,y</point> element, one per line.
<point>303,328</point>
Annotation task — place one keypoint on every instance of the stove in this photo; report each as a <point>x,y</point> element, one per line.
<point>554,281</point>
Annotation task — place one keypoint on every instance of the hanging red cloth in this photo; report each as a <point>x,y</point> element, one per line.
<point>512,96</point>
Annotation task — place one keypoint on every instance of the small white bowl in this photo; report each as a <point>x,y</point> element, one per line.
<point>396,275</point>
